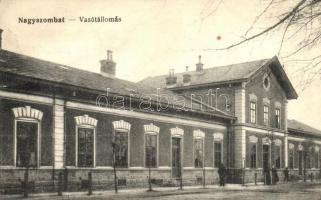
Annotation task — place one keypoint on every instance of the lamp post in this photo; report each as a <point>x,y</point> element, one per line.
<point>114,166</point>
<point>149,171</point>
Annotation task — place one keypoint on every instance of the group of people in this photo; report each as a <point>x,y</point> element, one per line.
<point>267,176</point>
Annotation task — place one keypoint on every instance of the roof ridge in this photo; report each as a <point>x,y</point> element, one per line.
<point>207,69</point>
<point>61,65</point>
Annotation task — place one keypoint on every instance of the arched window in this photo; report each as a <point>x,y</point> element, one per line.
<point>198,137</point>
<point>316,157</point>
<point>291,155</point>
<point>176,150</point>
<point>85,141</point>
<point>218,149</point>
<point>27,136</point>
<point>121,143</point>
<point>277,153</point>
<point>151,145</point>
<point>253,151</point>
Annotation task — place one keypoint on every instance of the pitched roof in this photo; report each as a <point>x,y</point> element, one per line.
<point>226,74</point>
<point>210,75</point>
<point>18,64</point>
<point>301,127</point>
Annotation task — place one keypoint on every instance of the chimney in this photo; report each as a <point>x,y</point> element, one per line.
<point>186,79</point>
<point>1,38</point>
<point>171,80</point>
<point>199,65</point>
<point>187,68</point>
<point>108,66</point>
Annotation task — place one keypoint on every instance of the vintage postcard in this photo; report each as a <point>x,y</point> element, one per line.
<point>137,99</point>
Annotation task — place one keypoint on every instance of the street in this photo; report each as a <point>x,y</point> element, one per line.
<point>302,191</point>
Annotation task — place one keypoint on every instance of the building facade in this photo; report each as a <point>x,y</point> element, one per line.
<point>58,119</point>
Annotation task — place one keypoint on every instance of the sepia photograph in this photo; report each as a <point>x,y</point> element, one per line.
<point>145,99</point>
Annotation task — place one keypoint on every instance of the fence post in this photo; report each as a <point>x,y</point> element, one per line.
<point>204,183</point>
<point>255,178</point>
<point>90,184</point>
<point>26,183</point>
<point>65,179</point>
<point>60,184</point>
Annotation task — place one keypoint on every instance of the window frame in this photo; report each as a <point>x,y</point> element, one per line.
<point>27,120</point>
<point>289,153</point>
<point>316,155</point>
<point>279,154</point>
<point>203,153</point>
<point>250,155</point>
<point>278,113</point>
<point>122,131</point>
<point>266,115</point>
<point>254,112</point>
<point>177,133</point>
<point>85,126</point>
<point>221,143</point>
<point>157,149</point>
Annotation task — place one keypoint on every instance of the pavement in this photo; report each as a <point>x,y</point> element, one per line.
<point>230,191</point>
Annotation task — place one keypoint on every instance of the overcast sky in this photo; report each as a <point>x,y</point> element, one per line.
<point>152,37</point>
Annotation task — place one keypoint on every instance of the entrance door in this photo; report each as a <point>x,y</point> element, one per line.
<point>300,162</point>
<point>266,164</point>
<point>266,157</point>
<point>176,157</point>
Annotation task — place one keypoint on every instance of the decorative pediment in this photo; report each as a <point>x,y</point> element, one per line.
<point>27,112</point>
<point>85,120</point>
<point>277,142</point>
<point>300,147</point>
<point>121,125</point>
<point>151,128</point>
<point>218,136</point>
<point>177,132</point>
<point>253,139</point>
<point>266,141</point>
<point>198,134</point>
<point>291,146</point>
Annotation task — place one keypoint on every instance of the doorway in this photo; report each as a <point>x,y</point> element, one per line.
<point>176,158</point>
<point>300,161</point>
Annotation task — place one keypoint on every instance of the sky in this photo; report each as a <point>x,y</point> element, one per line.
<point>153,37</point>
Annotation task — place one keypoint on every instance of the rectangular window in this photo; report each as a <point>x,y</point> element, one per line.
<point>85,147</point>
<point>253,155</point>
<point>217,154</point>
<point>277,157</point>
<point>266,115</point>
<point>316,159</point>
<point>291,158</point>
<point>307,159</point>
<point>253,112</point>
<point>198,153</point>
<point>277,118</point>
<point>27,144</point>
<point>151,150</point>
<point>121,149</point>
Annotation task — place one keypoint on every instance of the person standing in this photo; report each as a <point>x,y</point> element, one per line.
<point>222,173</point>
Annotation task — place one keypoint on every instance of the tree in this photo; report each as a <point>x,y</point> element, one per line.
<point>299,22</point>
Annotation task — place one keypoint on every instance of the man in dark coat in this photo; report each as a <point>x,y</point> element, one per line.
<point>222,173</point>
